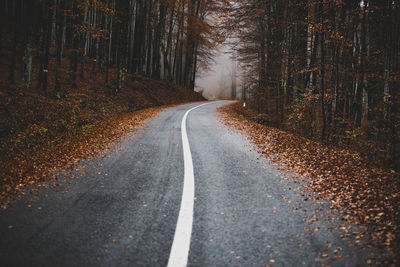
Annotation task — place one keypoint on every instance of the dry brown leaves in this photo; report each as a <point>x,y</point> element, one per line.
<point>364,193</point>
<point>41,163</point>
<point>40,134</point>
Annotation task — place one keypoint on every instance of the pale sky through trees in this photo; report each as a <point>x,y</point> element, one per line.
<point>216,82</point>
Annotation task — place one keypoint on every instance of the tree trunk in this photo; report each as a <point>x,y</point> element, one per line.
<point>48,44</point>
<point>60,33</point>
<point>322,10</point>
<point>17,26</point>
<point>157,43</point>
<point>26,65</point>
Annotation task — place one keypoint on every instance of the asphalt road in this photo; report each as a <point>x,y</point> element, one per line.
<point>121,209</point>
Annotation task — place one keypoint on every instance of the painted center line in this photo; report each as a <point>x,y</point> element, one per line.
<point>183,232</point>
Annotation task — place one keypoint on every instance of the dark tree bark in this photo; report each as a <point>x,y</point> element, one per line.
<point>322,38</point>
<point>59,41</point>
<point>157,43</point>
<point>17,32</point>
<point>50,18</point>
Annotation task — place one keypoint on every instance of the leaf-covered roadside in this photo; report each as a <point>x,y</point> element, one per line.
<point>361,191</point>
<point>40,133</point>
<point>40,163</point>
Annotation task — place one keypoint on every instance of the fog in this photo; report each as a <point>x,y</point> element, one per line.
<point>216,83</point>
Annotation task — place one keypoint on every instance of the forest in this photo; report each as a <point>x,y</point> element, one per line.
<point>70,67</point>
<point>326,69</point>
<point>319,82</point>
<point>162,39</point>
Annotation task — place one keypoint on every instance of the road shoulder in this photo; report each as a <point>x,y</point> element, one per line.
<point>338,176</point>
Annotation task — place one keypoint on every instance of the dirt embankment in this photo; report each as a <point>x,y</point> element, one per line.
<point>364,193</point>
<point>40,132</point>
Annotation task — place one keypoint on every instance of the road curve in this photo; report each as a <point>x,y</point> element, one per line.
<point>121,209</point>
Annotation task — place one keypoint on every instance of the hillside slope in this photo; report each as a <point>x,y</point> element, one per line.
<point>40,131</point>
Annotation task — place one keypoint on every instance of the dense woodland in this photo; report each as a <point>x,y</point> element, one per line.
<point>73,71</point>
<point>161,39</point>
<point>325,69</point>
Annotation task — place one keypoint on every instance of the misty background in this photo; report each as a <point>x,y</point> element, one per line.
<point>216,83</point>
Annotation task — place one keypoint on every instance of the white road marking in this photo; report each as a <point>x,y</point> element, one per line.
<point>183,232</point>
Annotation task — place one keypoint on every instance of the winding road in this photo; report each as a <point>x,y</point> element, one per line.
<point>185,190</point>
